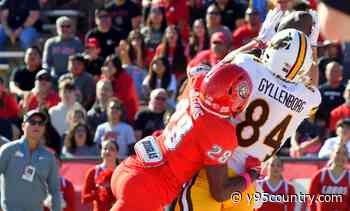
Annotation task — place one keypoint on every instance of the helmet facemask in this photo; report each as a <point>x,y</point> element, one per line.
<point>289,55</point>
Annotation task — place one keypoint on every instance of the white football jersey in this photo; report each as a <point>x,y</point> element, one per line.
<point>275,110</point>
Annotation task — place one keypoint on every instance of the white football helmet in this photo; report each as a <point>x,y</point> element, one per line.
<point>289,54</point>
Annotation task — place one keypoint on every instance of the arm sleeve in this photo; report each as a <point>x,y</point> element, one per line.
<point>133,101</point>
<point>54,186</point>
<point>217,143</point>
<point>14,108</point>
<point>314,190</point>
<point>88,193</point>
<point>70,197</point>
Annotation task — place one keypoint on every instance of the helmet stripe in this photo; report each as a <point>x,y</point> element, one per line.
<point>300,58</point>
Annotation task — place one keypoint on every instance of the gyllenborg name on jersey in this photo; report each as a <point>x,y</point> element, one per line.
<point>287,99</point>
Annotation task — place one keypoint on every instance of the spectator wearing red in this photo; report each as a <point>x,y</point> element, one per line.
<point>274,184</point>
<point>123,85</point>
<point>67,193</point>
<point>97,188</point>
<point>9,108</point>
<point>153,30</point>
<point>199,39</point>
<point>172,48</point>
<point>43,95</point>
<point>245,33</point>
<point>176,12</point>
<point>342,111</point>
<point>218,50</point>
<point>333,180</point>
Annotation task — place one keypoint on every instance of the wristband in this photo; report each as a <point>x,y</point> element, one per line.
<point>247,179</point>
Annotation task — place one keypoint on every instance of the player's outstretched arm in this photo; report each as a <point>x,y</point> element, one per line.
<point>247,47</point>
<point>268,29</point>
<point>221,186</point>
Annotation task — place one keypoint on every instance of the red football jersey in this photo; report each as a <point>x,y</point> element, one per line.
<point>190,141</point>
<point>283,189</point>
<point>324,182</point>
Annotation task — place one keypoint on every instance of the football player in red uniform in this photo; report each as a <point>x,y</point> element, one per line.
<point>333,180</point>
<point>197,135</point>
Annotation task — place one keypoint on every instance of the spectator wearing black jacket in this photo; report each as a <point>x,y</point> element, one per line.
<point>107,36</point>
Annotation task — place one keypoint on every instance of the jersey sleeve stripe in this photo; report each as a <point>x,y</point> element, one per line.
<point>300,58</point>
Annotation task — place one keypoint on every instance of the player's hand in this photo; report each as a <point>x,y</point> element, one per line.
<point>252,163</point>
<point>269,27</point>
<point>315,32</point>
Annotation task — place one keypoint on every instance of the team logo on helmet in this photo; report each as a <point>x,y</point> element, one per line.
<point>284,42</point>
<point>243,90</point>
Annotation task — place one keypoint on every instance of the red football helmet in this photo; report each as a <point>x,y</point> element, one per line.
<point>225,90</point>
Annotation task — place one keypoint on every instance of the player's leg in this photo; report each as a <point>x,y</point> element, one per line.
<point>135,190</point>
<point>195,196</point>
<point>122,205</point>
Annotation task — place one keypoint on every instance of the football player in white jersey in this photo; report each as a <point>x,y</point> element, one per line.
<point>281,100</point>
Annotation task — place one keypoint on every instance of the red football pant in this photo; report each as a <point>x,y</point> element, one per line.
<point>137,189</point>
